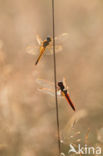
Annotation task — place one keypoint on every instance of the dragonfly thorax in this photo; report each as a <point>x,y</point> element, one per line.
<point>60,84</point>
<point>45,43</point>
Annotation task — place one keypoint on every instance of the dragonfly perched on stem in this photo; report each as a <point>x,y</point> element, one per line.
<point>62,90</point>
<point>46,46</point>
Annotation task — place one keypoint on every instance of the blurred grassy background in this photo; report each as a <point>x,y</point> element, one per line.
<point>27,118</point>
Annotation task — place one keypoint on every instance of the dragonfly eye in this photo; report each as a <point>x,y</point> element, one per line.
<point>60,83</point>
<point>48,39</point>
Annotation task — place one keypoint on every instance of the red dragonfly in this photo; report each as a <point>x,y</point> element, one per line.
<point>66,94</point>
<point>62,90</point>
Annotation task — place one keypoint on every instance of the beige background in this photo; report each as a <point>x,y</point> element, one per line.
<point>27,117</point>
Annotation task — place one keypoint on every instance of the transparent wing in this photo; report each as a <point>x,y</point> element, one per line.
<point>47,91</point>
<point>65,83</point>
<point>45,83</point>
<point>39,40</point>
<point>33,50</point>
<point>49,49</point>
<point>58,48</point>
<point>50,92</point>
<point>48,87</point>
<point>62,37</point>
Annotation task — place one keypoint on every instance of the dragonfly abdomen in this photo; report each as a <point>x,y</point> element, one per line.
<point>69,101</point>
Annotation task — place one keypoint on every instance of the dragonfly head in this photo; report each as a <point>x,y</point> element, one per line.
<point>60,84</point>
<point>48,39</point>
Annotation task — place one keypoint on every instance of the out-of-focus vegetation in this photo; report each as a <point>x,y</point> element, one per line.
<point>27,117</point>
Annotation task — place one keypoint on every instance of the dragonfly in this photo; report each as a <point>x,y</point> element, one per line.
<point>46,46</point>
<point>62,90</point>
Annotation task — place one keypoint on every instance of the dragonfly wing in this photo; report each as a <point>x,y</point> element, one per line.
<point>59,94</point>
<point>49,49</point>
<point>47,91</point>
<point>39,40</point>
<point>45,83</point>
<point>33,50</point>
<point>58,48</point>
<point>48,86</point>
<point>65,83</point>
<point>62,37</point>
